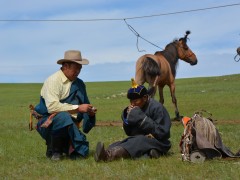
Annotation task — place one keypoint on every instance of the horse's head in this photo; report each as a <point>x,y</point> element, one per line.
<point>184,52</point>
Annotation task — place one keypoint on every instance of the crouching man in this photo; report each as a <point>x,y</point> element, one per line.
<point>64,104</point>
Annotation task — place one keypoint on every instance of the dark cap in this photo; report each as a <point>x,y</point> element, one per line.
<point>136,91</point>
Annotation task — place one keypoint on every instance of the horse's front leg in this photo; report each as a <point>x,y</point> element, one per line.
<point>161,98</point>
<point>174,101</point>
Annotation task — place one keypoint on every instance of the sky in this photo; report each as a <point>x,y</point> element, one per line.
<point>30,49</point>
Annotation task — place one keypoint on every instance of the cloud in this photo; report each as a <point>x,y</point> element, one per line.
<point>35,47</point>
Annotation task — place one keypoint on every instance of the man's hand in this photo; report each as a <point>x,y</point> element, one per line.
<point>150,136</point>
<point>87,108</point>
<point>135,115</point>
<point>48,121</point>
<point>92,111</point>
<point>130,107</point>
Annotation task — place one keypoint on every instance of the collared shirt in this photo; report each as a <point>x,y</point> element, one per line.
<point>56,88</point>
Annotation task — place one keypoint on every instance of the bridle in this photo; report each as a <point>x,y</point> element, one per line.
<point>183,49</point>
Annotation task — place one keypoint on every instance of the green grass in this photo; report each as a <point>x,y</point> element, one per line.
<point>22,153</point>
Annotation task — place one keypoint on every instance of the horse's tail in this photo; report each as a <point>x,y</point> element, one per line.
<point>152,90</point>
<point>151,68</point>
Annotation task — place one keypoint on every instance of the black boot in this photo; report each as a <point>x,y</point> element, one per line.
<point>65,145</point>
<point>60,143</point>
<point>57,148</point>
<point>154,154</point>
<point>49,152</point>
<point>109,154</point>
<point>238,153</point>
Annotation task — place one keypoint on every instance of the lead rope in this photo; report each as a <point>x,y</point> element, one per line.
<point>238,54</point>
<point>139,36</point>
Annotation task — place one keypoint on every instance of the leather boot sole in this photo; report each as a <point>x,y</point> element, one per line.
<point>99,152</point>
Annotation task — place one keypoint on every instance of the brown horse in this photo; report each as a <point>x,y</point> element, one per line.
<point>159,69</point>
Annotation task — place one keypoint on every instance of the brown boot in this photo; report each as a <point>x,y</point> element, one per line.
<point>109,154</point>
<point>117,152</point>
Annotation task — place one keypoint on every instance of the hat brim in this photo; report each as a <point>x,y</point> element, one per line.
<point>78,61</point>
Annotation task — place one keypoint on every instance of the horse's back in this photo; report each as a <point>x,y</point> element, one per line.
<point>165,76</point>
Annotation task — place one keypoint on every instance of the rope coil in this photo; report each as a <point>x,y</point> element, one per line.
<point>238,54</point>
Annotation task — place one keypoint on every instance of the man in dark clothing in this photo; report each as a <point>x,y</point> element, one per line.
<point>146,122</point>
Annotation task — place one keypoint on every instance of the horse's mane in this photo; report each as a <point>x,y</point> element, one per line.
<point>170,54</point>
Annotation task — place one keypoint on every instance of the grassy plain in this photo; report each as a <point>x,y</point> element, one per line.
<point>22,152</point>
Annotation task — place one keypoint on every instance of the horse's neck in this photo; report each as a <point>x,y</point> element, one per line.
<point>171,55</point>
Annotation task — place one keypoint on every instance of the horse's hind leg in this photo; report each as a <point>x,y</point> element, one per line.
<point>152,91</point>
<point>139,74</point>
<point>161,98</point>
<point>174,101</point>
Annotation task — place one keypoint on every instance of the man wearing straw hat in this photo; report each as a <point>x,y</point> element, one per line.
<point>63,105</point>
<point>146,122</point>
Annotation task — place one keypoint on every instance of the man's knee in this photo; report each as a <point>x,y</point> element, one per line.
<point>63,115</point>
<point>62,119</point>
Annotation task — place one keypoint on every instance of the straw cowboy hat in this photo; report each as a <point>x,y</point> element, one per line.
<point>73,56</point>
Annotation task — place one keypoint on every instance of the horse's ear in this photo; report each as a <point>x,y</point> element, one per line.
<point>185,38</point>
